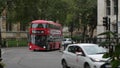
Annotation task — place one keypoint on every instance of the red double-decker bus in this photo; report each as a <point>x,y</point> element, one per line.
<point>45,35</point>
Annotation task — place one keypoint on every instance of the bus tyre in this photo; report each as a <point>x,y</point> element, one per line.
<point>48,47</point>
<point>59,47</point>
<point>34,50</point>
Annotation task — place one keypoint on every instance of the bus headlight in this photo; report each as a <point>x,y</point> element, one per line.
<point>33,31</point>
<point>44,46</point>
<point>30,46</point>
<point>41,31</point>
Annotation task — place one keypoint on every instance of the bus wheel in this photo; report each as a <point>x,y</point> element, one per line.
<point>59,47</point>
<point>48,47</point>
<point>34,50</point>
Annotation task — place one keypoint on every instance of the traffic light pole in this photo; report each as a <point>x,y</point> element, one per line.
<point>106,23</point>
<point>109,37</point>
<point>117,21</point>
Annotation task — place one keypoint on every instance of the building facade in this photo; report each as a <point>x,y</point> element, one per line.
<point>108,8</point>
<point>12,30</point>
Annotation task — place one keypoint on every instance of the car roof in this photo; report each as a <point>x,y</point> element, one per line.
<point>83,44</point>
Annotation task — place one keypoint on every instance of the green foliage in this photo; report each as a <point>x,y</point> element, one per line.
<point>117,50</point>
<point>25,11</point>
<point>106,55</point>
<point>105,43</point>
<point>82,13</point>
<point>22,11</point>
<point>2,5</point>
<point>11,43</point>
<point>79,38</point>
<point>108,33</point>
<point>113,53</point>
<point>115,63</point>
<point>16,42</point>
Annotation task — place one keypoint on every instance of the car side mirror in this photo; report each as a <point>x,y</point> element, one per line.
<point>79,53</point>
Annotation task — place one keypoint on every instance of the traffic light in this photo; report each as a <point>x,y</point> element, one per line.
<point>105,21</point>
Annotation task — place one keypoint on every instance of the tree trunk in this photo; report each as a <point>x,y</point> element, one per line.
<point>0,44</point>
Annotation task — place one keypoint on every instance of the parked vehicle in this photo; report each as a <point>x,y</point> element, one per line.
<point>67,41</point>
<point>83,55</point>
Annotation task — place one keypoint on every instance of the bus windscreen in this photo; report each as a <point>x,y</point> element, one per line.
<point>38,25</point>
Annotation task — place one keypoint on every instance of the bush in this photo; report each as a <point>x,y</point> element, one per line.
<point>77,38</point>
<point>15,42</point>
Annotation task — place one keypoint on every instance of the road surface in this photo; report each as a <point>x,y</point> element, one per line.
<point>21,57</point>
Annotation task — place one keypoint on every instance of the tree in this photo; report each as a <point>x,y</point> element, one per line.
<point>26,10</point>
<point>2,7</point>
<point>22,11</point>
<point>88,15</point>
<point>114,50</point>
<point>83,13</point>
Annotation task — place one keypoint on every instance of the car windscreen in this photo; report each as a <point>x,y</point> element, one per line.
<point>90,50</point>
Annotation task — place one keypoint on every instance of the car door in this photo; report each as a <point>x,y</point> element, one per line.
<point>71,56</point>
<point>79,58</point>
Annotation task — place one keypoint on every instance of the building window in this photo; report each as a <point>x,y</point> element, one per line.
<point>115,6</point>
<point>108,3</point>
<point>114,27</point>
<point>8,26</point>
<point>22,27</point>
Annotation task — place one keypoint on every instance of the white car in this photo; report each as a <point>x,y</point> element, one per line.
<point>67,41</point>
<point>83,55</point>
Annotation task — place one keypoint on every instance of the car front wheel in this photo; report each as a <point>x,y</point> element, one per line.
<point>64,64</point>
<point>87,66</point>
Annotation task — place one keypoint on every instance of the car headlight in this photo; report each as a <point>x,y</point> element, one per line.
<point>95,60</point>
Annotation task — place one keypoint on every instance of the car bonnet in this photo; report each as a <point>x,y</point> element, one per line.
<point>98,56</point>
